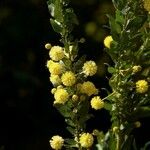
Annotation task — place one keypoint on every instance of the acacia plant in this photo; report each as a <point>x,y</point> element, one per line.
<point>128,45</point>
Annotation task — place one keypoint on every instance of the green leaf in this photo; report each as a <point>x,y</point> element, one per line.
<point>79,64</point>
<point>71,130</point>
<point>58,11</point>
<point>71,17</point>
<point>57,27</point>
<point>115,27</point>
<point>70,142</point>
<point>108,106</point>
<point>119,17</point>
<point>64,110</point>
<point>70,122</point>
<point>99,147</point>
<point>67,62</point>
<point>141,112</point>
<point>128,144</point>
<point>146,71</point>
<point>146,146</point>
<point>136,23</point>
<point>119,4</point>
<point>111,70</point>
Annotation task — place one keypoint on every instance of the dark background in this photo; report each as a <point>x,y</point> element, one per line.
<point>27,117</point>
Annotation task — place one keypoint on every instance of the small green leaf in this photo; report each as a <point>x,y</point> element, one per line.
<point>67,62</point>
<point>70,122</point>
<point>71,142</point>
<point>119,17</point>
<point>58,11</point>
<point>141,112</point>
<point>71,130</point>
<point>108,106</point>
<point>64,110</point>
<point>111,70</point>
<point>79,64</point>
<point>56,26</point>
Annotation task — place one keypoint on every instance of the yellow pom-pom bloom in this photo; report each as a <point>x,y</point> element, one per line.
<point>55,79</point>
<point>107,41</point>
<point>56,53</point>
<point>56,142</point>
<point>61,96</point>
<point>147,5</point>
<point>48,46</point>
<point>97,103</point>
<point>54,67</point>
<point>136,69</point>
<point>86,140</point>
<point>88,88</point>
<point>89,68</point>
<point>68,78</point>
<point>141,86</point>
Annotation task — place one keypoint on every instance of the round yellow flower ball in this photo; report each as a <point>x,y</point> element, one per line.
<point>147,5</point>
<point>56,142</point>
<point>86,140</point>
<point>61,96</point>
<point>88,88</point>
<point>48,46</point>
<point>97,103</point>
<point>68,78</point>
<point>136,69</point>
<point>141,86</point>
<point>54,67</point>
<point>56,53</point>
<point>107,41</point>
<point>55,79</point>
<point>89,68</point>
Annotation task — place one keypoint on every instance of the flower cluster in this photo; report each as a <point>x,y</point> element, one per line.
<point>89,68</point>
<point>107,41</point>
<point>97,103</point>
<point>141,86</point>
<point>56,142</point>
<point>86,140</point>
<point>70,86</point>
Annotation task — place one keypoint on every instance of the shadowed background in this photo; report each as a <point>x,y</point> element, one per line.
<point>27,117</point>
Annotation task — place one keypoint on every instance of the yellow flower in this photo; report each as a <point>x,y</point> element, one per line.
<point>88,88</point>
<point>53,90</point>
<point>147,5</point>
<point>75,98</point>
<point>55,79</point>
<point>56,142</point>
<point>141,86</point>
<point>89,68</point>
<point>86,140</point>
<point>136,68</point>
<point>61,96</point>
<point>97,103</point>
<point>107,41</point>
<point>54,67</point>
<point>68,78</point>
<point>48,46</point>
<point>56,53</point>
